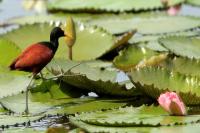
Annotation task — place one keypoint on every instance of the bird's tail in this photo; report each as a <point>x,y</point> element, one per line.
<point>12,65</point>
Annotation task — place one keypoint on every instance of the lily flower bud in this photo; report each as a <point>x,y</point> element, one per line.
<point>172,103</point>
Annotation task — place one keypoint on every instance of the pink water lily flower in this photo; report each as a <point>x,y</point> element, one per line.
<point>172,103</point>
<point>174,10</point>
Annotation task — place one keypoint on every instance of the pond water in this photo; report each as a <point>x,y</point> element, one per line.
<point>14,8</point>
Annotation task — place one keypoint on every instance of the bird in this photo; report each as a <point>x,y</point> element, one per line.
<point>36,56</point>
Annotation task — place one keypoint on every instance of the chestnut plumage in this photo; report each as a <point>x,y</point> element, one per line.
<point>35,57</point>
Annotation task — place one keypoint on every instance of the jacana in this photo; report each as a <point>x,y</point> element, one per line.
<point>35,57</point>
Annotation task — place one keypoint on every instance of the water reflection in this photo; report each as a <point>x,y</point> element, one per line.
<point>190,10</point>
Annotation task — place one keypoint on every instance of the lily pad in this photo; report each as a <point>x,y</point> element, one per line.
<point>12,83</point>
<point>134,117</point>
<point>11,120</point>
<point>193,2</point>
<point>99,129</point>
<point>146,25</point>
<point>42,98</point>
<point>154,81</point>
<point>107,5</point>
<point>184,66</point>
<point>22,130</point>
<point>91,105</point>
<point>56,17</point>
<point>156,46</point>
<point>132,56</point>
<point>58,98</point>
<point>97,39</point>
<point>5,58</point>
<point>43,103</point>
<point>98,80</point>
<point>152,41</point>
<point>182,46</point>
<point>155,37</point>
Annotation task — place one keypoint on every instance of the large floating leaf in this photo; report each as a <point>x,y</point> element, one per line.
<point>182,46</point>
<point>42,98</point>
<point>23,130</point>
<point>48,18</point>
<point>61,17</point>
<point>132,56</point>
<point>155,37</point>
<point>5,47</point>
<point>168,129</point>
<point>52,98</point>
<point>154,81</point>
<point>151,41</point>
<point>184,65</point>
<point>91,105</point>
<point>98,80</point>
<point>193,2</point>
<point>88,38</point>
<point>10,120</point>
<point>154,45</point>
<point>141,116</point>
<point>149,24</point>
<point>107,5</point>
<point>12,83</point>
<point>43,103</point>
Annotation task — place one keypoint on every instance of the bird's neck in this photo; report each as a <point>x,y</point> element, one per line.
<point>54,42</point>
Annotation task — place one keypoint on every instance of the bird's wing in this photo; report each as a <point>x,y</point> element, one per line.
<point>36,54</point>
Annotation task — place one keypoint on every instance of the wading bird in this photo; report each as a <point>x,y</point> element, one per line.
<point>35,57</point>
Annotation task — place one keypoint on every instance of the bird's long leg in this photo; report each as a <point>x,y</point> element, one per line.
<point>42,76</point>
<point>27,90</point>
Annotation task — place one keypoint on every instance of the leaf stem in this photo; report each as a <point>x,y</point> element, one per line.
<point>70,52</point>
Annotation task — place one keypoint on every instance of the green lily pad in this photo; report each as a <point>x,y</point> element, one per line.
<point>10,120</point>
<point>155,37</point>
<point>184,66</point>
<point>22,130</point>
<point>54,98</point>
<point>99,80</point>
<point>154,24</point>
<point>5,58</point>
<point>156,46</point>
<point>182,46</point>
<point>193,2</point>
<point>97,39</point>
<point>107,5</point>
<point>132,56</point>
<point>91,105</point>
<point>154,81</point>
<point>43,97</point>
<point>168,129</point>
<point>133,117</point>
<point>44,103</point>
<point>152,41</point>
<point>48,18</point>
<point>12,83</point>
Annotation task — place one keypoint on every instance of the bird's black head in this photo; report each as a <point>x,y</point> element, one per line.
<point>56,33</point>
